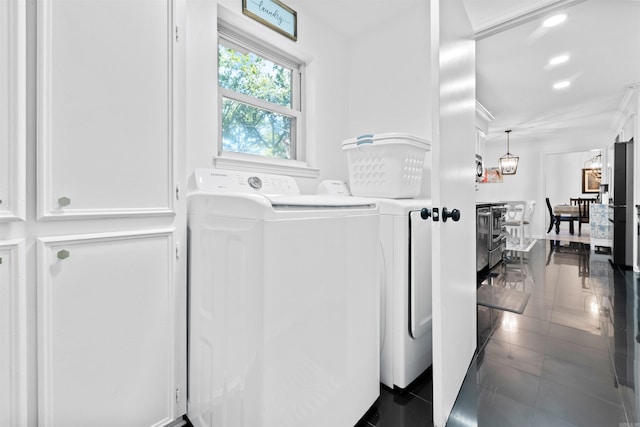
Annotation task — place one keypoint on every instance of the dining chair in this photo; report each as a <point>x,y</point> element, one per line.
<point>517,218</point>
<point>583,212</point>
<point>557,219</point>
<point>514,221</point>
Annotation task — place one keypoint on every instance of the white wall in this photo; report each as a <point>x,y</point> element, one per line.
<point>326,54</point>
<point>563,176</point>
<point>372,82</point>
<point>389,80</point>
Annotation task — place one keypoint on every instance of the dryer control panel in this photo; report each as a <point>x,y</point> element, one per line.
<point>215,181</point>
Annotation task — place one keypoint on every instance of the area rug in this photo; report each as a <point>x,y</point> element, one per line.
<point>502,298</point>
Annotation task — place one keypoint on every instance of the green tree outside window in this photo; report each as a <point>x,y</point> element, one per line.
<point>248,128</point>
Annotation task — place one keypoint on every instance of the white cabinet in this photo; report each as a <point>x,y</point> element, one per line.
<point>93,126</point>
<point>105,108</point>
<point>106,313</point>
<point>13,357</point>
<point>12,109</point>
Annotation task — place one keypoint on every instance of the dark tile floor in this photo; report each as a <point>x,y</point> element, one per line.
<point>571,359</point>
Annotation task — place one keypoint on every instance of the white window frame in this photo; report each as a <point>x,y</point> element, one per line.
<point>297,165</point>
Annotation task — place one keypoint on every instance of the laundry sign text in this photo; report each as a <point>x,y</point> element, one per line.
<point>274,14</point>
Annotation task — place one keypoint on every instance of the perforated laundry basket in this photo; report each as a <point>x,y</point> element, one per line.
<point>386,165</point>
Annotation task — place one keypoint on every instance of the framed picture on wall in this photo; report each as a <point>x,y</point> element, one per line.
<point>591,180</point>
<point>491,176</point>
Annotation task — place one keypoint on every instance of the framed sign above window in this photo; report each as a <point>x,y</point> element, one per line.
<point>274,14</point>
<point>591,180</point>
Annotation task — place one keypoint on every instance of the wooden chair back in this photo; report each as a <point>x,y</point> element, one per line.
<point>583,209</point>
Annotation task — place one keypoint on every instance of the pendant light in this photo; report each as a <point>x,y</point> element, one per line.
<point>594,163</point>
<point>508,162</point>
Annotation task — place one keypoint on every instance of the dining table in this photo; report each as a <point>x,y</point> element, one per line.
<point>568,210</point>
<point>568,213</point>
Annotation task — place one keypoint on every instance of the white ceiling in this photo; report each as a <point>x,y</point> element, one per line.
<point>514,81</point>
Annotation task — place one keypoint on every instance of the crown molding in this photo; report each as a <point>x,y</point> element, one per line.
<point>483,112</point>
<point>628,106</point>
<point>501,24</point>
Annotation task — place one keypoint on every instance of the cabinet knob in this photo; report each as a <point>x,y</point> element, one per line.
<point>64,201</point>
<point>63,254</point>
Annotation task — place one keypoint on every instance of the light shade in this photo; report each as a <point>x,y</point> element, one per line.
<point>508,162</point>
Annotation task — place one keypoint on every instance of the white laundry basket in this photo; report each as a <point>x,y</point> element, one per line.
<point>386,165</point>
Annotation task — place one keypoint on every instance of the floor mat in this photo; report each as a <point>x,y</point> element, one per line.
<point>502,298</point>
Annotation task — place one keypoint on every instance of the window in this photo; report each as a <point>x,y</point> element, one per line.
<point>259,99</point>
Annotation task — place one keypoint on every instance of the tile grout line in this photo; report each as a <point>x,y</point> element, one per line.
<point>544,355</point>
<point>421,398</point>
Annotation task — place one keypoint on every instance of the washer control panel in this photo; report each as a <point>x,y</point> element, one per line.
<point>215,180</point>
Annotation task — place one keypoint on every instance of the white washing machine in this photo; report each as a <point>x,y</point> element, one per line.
<point>283,303</point>
<point>406,335</point>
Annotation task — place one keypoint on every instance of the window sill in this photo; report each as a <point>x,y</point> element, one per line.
<point>288,167</point>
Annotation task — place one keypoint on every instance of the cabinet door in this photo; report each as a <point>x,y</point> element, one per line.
<point>105,129</point>
<point>13,397</point>
<point>12,109</point>
<point>106,318</point>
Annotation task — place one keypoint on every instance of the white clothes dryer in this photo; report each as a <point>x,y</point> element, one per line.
<point>406,341</point>
<point>283,303</point>
<point>405,287</point>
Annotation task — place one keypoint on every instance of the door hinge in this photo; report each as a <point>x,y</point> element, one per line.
<point>178,250</point>
<point>177,34</point>
<point>178,395</point>
<point>177,191</point>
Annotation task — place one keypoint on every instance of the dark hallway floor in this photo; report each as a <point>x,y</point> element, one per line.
<point>571,359</point>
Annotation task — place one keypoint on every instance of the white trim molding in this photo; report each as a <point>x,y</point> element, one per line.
<point>13,74</point>
<point>483,112</point>
<point>245,162</point>
<point>628,106</point>
<point>13,335</point>
<point>503,23</point>
<point>483,119</point>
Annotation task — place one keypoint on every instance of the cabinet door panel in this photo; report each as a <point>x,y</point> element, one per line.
<point>12,110</point>
<point>13,397</point>
<point>104,107</point>
<point>105,331</point>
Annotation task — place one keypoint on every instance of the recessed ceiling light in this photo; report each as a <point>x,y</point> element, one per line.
<point>559,59</point>
<point>562,84</point>
<point>555,20</point>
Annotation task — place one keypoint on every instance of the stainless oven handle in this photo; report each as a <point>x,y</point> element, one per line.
<point>501,236</point>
